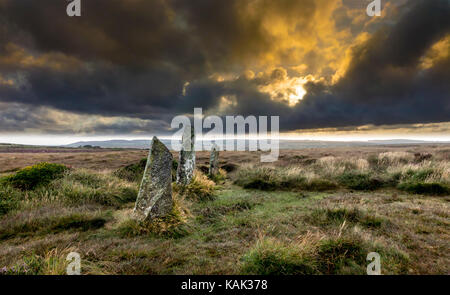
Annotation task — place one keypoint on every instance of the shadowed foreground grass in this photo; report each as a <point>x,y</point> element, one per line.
<point>307,219</point>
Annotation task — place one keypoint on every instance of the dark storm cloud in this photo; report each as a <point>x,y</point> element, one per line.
<point>133,58</point>
<point>384,83</point>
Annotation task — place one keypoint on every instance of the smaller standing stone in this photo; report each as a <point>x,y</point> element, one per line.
<point>155,193</point>
<point>186,164</point>
<point>214,160</point>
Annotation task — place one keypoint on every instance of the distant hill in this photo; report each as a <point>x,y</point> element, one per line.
<point>133,144</point>
<point>284,144</point>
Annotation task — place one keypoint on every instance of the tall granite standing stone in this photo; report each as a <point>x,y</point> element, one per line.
<point>155,194</point>
<point>214,160</point>
<point>186,164</point>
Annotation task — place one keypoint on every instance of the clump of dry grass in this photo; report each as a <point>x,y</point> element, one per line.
<point>395,158</point>
<point>331,166</point>
<point>170,226</point>
<point>201,188</point>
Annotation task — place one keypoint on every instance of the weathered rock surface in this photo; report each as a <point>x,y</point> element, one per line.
<point>186,163</point>
<point>155,194</point>
<point>214,160</point>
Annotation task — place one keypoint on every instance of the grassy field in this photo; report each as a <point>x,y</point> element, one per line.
<point>315,211</point>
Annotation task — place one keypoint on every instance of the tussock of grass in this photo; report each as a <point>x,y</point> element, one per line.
<point>337,255</point>
<point>201,188</point>
<point>342,256</point>
<point>33,176</point>
<point>220,177</point>
<point>170,226</point>
<point>272,257</point>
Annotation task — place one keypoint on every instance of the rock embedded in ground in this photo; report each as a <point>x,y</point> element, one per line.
<point>155,194</point>
<point>186,163</point>
<point>214,160</point>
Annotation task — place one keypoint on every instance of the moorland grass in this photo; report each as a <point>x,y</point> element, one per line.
<point>336,216</point>
<point>311,221</point>
<point>391,170</point>
<point>52,225</point>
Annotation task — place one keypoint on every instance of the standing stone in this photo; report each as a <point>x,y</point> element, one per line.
<point>214,160</point>
<point>186,164</point>
<point>155,194</point>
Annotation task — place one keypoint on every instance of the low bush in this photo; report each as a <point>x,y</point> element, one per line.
<point>319,185</point>
<point>434,189</point>
<point>9,199</point>
<point>31,177</point>
<point>263,178</point>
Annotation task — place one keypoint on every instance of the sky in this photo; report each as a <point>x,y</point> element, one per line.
<point>126,68</point>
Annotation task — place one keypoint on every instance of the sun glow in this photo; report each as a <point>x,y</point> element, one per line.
<point>299,93</point>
